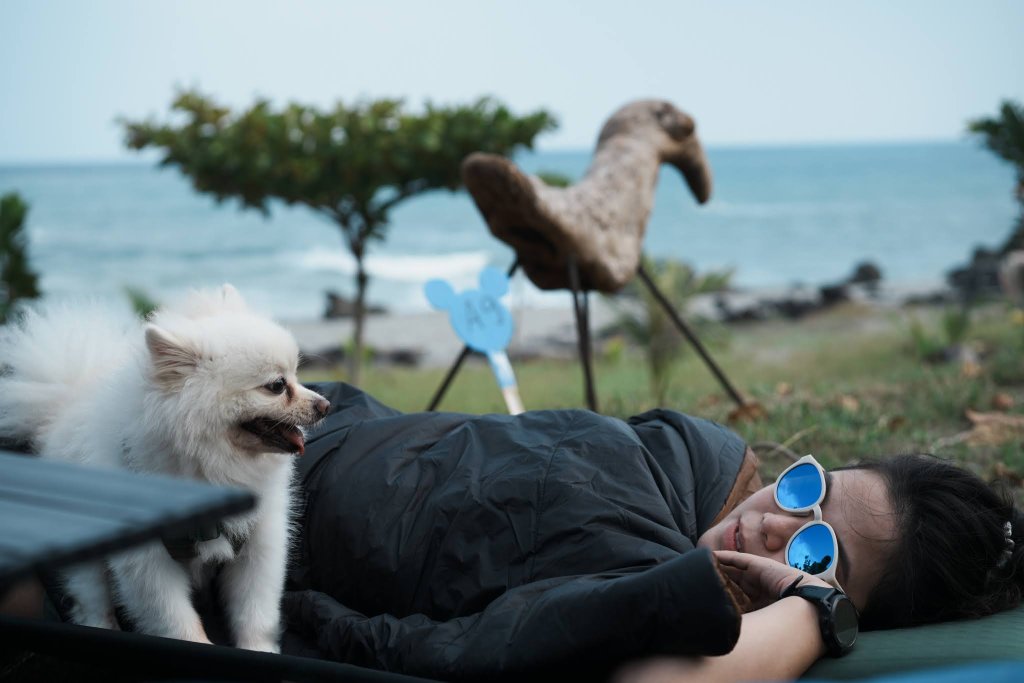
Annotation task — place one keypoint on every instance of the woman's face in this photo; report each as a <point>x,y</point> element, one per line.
<point>856,505</point>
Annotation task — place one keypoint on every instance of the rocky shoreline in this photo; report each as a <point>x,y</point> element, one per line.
<point>426,339</point>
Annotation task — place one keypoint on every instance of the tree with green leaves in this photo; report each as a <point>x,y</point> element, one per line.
<point>351,164</point>
<point>1004,135</point>
<point>17,280</point>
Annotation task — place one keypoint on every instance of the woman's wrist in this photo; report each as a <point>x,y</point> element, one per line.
<point>799,609</point>
<point>815,581</point>
<point>802,580</point>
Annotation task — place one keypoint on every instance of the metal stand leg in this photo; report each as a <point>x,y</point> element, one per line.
<point>581,307</point>
<point>448,379</point>
<point>454,369</point>
<point>692,337</point>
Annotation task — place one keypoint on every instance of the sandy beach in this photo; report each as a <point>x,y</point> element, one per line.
<point>538,331</point>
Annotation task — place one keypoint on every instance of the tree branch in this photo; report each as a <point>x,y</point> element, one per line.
<point>325,211</point>
<point>407,190</point>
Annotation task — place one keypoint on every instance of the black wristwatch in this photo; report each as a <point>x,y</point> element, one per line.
<point>837,617</point>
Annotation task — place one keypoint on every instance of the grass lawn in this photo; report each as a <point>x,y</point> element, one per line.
<point>845,384</point>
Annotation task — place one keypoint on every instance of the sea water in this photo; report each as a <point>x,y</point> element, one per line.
<point>777,217</point>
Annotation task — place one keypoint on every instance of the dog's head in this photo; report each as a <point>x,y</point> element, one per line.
<point>225,374</point>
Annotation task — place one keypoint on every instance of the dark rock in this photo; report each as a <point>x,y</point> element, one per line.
<point>406,357</point>
<point>980,277</point>
<point>342,307</point>
<point>796,307</point>
<point>731,310</point>
<point>795,303</point>
<point>866,272</point>
<point>834,294</point>
<point>936,298</point>
<point>333,357</point>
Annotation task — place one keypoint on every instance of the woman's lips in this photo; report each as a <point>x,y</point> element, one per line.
<point>730,537</point>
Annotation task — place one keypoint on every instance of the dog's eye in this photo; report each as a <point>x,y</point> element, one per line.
<point>277,386</point>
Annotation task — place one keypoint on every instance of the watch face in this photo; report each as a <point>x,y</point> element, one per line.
<point>844,621</point>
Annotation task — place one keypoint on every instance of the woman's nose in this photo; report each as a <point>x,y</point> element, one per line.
<point>778,529</point>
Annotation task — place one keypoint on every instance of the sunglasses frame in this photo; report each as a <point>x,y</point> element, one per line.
<point>829,575</point>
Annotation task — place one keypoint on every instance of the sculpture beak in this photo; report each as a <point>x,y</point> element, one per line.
<point>693,164</point>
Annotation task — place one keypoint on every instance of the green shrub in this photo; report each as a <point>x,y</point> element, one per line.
<point>17,280</point>
<point>643,320</point>
<point>142,303</point>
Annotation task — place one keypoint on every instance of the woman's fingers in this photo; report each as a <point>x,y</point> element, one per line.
<point>740,560</point>
<point>738,567</point>
<point>761,578</point>
<point>748,581</point>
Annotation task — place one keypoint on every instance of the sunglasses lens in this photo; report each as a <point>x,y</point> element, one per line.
<point>812,550</point>
<point>801,487</point>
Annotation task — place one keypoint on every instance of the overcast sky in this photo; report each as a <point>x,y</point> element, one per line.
<point>750,72</point>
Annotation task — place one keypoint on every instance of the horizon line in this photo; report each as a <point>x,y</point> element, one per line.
<point>129,158</point>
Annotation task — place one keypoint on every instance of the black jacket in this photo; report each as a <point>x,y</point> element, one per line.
<point>473,547</point>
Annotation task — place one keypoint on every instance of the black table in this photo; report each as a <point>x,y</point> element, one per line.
<point>55,513</point>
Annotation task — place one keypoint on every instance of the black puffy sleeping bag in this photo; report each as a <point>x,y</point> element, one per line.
<point>474,547</point>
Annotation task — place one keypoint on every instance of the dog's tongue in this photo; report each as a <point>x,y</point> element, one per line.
<point>294,436</point>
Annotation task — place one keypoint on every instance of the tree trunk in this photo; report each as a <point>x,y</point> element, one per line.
<point>355,361</point>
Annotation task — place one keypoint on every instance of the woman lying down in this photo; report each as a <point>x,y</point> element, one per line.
<point>566,543</point>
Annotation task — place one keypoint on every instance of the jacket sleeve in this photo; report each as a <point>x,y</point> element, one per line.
<point>679,607</point>
<point>699,461</point>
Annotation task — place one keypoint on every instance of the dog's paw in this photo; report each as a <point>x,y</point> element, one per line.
<point>193,632</point>
<point>216,550</point>
<point>259,645</point>
<point>95,619</point>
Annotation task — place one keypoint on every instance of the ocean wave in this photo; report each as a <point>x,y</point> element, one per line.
<point>396,267</point>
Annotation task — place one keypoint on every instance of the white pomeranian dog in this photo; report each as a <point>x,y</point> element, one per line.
<point>206,390</point>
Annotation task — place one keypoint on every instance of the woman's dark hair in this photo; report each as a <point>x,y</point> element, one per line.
<point>950,559</point>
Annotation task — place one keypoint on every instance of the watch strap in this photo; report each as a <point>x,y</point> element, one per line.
<point>824,601</point>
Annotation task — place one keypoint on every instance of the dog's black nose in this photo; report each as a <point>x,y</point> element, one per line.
<point>322,406</point>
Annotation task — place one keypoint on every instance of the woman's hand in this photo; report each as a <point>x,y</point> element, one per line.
<point>776,643</point>
<point>760,578</point>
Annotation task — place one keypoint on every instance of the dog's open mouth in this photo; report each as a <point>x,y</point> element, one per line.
<point>278,435</point>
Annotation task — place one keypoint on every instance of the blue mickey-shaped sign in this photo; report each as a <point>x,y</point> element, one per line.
<point>478,315</point>
<point>484,324</point>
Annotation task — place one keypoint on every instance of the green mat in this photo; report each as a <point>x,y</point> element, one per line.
<point>998,637</point>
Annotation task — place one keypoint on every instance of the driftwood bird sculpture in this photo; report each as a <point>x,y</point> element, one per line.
<point>600,221</point>
<point>590,236</point>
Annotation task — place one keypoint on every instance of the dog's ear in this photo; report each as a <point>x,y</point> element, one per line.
<point>232,298</point>
<point>173,360</point>
<point>203,303</point>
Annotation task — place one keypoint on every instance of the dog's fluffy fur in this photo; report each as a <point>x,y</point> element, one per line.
<point>206,390</point>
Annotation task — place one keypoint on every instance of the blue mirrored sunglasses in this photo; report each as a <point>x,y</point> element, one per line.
<point>814,547</point>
